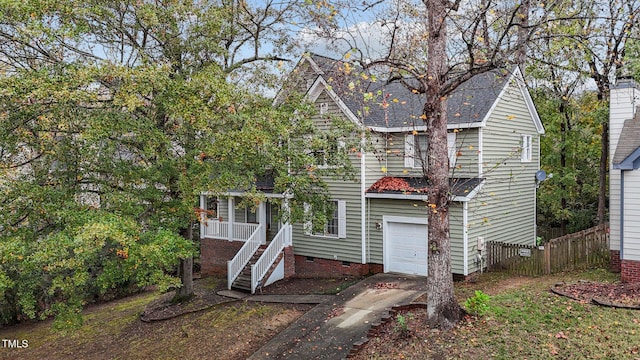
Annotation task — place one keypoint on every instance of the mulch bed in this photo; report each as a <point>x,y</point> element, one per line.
<point>618,295</point>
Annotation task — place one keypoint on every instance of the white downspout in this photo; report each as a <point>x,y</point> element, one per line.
<point>465,238</point>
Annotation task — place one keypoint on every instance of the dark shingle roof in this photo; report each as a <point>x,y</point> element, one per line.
<point>394,105</point>
<point>629,141</point>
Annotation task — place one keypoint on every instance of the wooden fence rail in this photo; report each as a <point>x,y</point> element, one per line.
<point>584,249</point>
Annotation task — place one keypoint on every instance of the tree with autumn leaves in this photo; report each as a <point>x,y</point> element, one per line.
<point>114,117</point>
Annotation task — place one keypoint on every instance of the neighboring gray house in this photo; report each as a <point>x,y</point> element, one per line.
<point>625,179</point>
<point>380,222</point>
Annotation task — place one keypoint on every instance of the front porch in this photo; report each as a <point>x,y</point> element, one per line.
<point>253,248</point>
<point>225,230</point>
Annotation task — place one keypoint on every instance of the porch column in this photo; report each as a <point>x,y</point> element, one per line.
<point>262,220</point>
<point>203,215</point>
<point>231,215</point>
<point>286,216</point>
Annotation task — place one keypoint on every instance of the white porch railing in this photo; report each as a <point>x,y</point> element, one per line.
<point>261,267</point>
<point>220,230</point>
<point>235,265</point>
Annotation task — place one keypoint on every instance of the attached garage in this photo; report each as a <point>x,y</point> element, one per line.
<point>405,245</point>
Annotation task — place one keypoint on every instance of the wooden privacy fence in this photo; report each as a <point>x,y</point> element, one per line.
<point>584,249</point>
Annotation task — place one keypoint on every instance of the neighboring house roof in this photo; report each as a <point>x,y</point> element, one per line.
<point>393,107</point>
<point>627,155</point>
<point>462,189</point>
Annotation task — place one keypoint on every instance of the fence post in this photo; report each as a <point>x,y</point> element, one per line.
<point>547,258</point>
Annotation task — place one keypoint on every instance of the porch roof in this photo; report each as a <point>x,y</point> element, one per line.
<point>415,188</point>
<point>264,184</point>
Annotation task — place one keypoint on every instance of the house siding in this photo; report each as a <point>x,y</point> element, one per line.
<point>387,156</point>
<point>341,249</point>
<point>631,240</point>
<point>377,208</point>
<point>622,107</point>
<point>223,211</point>
<point>505,208</point>
<point>474,231</point>
<point>468,152</point>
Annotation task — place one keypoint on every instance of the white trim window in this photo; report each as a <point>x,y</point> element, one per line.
<point>324,155</point>
<point>526,153</point>
<point>250,215</point>
<point>324,108</point>
<point>452,149</point>
<point>416,155</point>
<point>415,151</point>
<point>335,226</point>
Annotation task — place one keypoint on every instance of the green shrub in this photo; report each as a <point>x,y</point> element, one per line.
<point>477,304</point>
<point>402,323</point>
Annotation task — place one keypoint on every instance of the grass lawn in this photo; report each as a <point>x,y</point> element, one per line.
<point>114,331</point>
<point>524,321</point>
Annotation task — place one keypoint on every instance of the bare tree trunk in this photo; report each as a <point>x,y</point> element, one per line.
<point>185,271</point>
<point>523,32</point>
<point>604,167</point>
<point>442,308</point>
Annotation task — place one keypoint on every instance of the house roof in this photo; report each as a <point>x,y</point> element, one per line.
<point>627,155</point>
<point>393,107</point>
<point>462,189</point>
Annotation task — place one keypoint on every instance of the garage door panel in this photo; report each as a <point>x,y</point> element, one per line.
<point>406,247</point>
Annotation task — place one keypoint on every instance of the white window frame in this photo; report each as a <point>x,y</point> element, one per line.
<point>452,149</point>
<point>340,147</point>
<point>324,108</point>
<point>410,150</point>
<point>526,147</point>
<point>251,213</point>
<point>341,218</point>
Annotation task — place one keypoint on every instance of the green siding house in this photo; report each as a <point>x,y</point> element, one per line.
<point>380,220</point>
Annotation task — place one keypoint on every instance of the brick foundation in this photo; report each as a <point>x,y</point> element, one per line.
<point>630,271</point>
<point>325,268</point>
<point>289,262</point>
<point>615,261</point>
<point>214,255</point>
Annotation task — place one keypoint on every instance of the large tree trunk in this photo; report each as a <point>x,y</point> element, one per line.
<point>604,167</point>
<point>185,272</point>
<point>442,308</point>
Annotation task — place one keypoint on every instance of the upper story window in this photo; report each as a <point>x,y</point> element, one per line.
<point>324,149</point>
<point>526,153</point>
<point>415,150</point>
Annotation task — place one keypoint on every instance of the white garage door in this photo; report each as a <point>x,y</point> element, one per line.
<point>405,245</point>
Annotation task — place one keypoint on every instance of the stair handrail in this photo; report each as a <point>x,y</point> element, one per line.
<point>235,265</point>
<point>269,256</point>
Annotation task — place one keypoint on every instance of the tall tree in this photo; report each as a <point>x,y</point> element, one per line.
<point>133,109</point>
<point>596,32</point>
<point>442,307</point>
